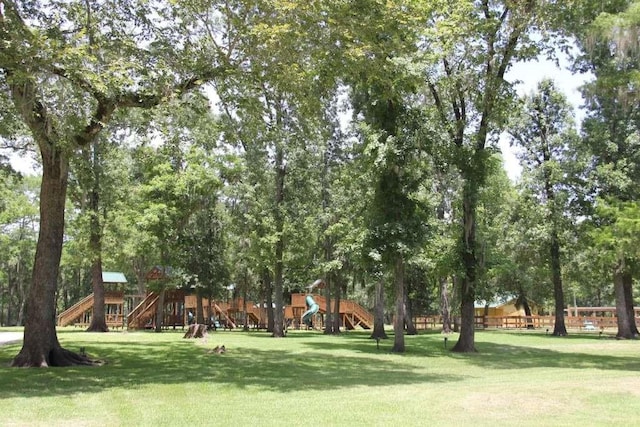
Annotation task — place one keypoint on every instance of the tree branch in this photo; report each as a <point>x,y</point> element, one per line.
<point>440,107</point>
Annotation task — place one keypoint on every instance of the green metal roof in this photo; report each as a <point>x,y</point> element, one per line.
<point>113,277</point>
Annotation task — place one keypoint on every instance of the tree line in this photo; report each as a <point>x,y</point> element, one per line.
<point>269,143</point>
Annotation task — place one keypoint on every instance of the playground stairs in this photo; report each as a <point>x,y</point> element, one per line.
<point>80,313</point>
<point>256,316</point>
<point>143,313</point>
<point>75,312</point>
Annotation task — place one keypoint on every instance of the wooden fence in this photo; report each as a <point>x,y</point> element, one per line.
<point>523,322</point>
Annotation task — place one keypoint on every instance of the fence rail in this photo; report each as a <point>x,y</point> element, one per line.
<point>524,322</point>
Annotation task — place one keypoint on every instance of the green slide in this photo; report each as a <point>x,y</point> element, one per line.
<point>313,308</point>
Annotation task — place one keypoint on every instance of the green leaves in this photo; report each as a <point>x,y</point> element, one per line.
<point>617,228</point>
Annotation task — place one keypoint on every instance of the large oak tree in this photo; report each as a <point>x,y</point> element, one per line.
<point>469,46</point>
<point>68,67</point>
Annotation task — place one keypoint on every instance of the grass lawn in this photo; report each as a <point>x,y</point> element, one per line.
<point>524,379</point>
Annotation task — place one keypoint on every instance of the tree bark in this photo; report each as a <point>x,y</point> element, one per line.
<point>140,268</point>
<point>278,331</point>
<point>245,315</point>
<point>466,341</point>
<point>527,312</point>
<point>624,323</point>
<point>98,321</point>
<point>559,328</point>
<point>378,313</point>
<point>627,280</point>
<point>40,346</point>
<point>445,310</point>
<point>408,317</point>
<point>268,291</point>
<point>196,331</point>
<point>160,309</point>
<point>336,307</point>
<point>199,308</point>
<point>398,324</point>
<point>329,283</point>
<point>485,316</point>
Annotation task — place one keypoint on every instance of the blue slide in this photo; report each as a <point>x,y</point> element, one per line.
<point>313,308</point>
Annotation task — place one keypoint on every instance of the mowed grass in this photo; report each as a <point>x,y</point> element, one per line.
<point>307,378</point>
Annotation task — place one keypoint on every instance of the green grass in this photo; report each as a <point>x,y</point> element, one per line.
<point>526,379</point>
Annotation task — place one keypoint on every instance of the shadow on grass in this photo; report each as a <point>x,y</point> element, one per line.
<point>507,356</point>
<point>304,361</point>
<point>493,355</point>
<point>132,364</point>
<point>427,344</point>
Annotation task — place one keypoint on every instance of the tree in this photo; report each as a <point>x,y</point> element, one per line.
<point>607,36</point>
<point>468,48</point>
<point>273,100</point>
<point>91,194</point>
<point>615,237</point>
<point>97,66</point>
<point>523,267</point>
<point>545,133</point>
<point>381,89</point>
<point>201,242</point>
<point>178,192</point>
<point>18,226</point>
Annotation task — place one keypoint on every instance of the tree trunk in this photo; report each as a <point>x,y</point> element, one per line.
<point>140,268</point>
<point>408,317</point>
<point>398,324</point>
<point>336,307</point>
<point>98,322</point>
<point>199,308</point>
<point>627,280</point>
<point>210,315</point>
<point>196,331</point>
<point>485,316</point>
<point>10,303</point>
<point>3,292</point>
<point>527,313</point>
<point>559,328</point>
<point>40,346</point>
<point>278,315</point>
<point>445,311</point>
<point>268,291</point>
<point>624,323</point>
<point>245,315</point>
<point>466,341</point>
<point>160,309</point>
<point>278,330</point>
<point>378,313</point>
<point>328,324</point>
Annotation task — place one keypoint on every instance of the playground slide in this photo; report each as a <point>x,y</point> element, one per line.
<point>312,309</point>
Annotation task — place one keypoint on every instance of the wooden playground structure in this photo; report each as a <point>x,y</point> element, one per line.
<point>80,313</point>
<point>232,314</point>
<point>139,312</point>
<point>178,304</point>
